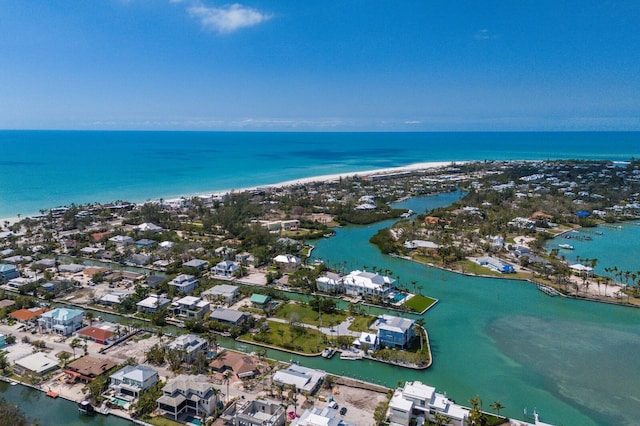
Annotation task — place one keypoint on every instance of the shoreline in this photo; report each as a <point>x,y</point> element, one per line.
<point>414,167</point>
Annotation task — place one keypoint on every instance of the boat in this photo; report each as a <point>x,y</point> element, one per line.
<point>566,246</point>
<point>52,394</point>
<point>85,407</point>
<point>328,353</point>
<point>350,355</point>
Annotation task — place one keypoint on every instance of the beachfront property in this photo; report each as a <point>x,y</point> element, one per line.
<point>131,380</point>
<point>184,283</point>
<point>62,321</point>
<point>254,413</point>
<point>416,400</point>
<point>152,304</point>
<point>189,345</point>
<point>88,368</point>
<point>229,317</point>
<point>287,262</point>
<point>8,272</point>
<point>495,265</point>
<point>226,268</point>
<point>37,364</point>
<point>303,378</point>
<point>357,283</point>
<point>189,307</point>
<point>325,416</point>
<point>394,332</point>
<point>224,292</point>
<point>187,393</point>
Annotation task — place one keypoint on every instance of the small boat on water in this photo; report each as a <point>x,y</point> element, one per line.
<point>328,353</point>
<point>85,407</point>
<point>566,246</point>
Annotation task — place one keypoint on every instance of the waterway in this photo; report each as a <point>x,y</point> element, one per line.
<point>505,340</point>
<point>52,412</point>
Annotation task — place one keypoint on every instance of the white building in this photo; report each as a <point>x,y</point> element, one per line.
<point>187,393</point>
<point>357,283</point>
<point>131,380</point>
<point>184,283</point>
<point>304,379</point>
<point>189,307</point>
<point>416,399</point>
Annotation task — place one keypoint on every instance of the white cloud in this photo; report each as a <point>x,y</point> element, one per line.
<point>229,18</point>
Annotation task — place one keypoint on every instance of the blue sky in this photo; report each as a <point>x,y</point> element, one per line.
<point>320,65</point>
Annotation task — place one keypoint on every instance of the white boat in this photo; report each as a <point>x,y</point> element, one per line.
<point>350,355</point>
<point>328,352</point>
<point>566,246</point>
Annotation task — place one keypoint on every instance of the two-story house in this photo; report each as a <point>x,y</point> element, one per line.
<point>62,321</point>
<point>187,393</point>
<point>130,381</point>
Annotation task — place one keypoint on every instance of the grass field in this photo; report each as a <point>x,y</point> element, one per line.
<point>307,315</point>
<point>419,303</point>
<point>299,339</point>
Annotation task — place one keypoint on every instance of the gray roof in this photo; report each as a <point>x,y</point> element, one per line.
<point>227,315</point>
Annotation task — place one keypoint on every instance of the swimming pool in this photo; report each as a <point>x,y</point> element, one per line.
<point>193,421</point>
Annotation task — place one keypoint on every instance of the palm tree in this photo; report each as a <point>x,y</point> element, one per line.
<point>497,406</point>
<point>75,343</point>
<point>226,376</point>
<point>419,326</point>
<point>440,419</point>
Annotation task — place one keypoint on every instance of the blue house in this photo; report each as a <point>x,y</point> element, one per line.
<point>395,332</point>
<point>62,321</point>
<point>8,272</point>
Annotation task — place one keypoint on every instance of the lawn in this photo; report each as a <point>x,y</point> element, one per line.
<point>361,322</point>
<point>419,303</point>
<point>294,338</point>
<point>162,421</point>
<point>307,315</point>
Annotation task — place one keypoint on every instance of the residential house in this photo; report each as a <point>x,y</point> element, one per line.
<point>416,400</point>
<point>101,335</point>
<point>287,262</point>
<point>145,243</point>
<point>259,301</point>
<point>225,253</point>
<point>88,368</point>
<point>62,321</point>
<point>241,365</point>
<point>189,345</point>
<point>187,394</point>
<point>113,298</point>
<point>230,317</point>
<point>37,364</point>
<point>130,381</point>
<point>362,283</point>
<point>330,283</point>
<point>254,413</point>
<point>148,227</point>
<point>189,307</point>
<point>152,304</point>
<point>226,268</point>
<point>122,240</point>
<point>8,272</point>
<point>394,332</point>
<point>198,264</point>
<point>27,315</point>
<point>495,265</point>
<point>366,340</point>
<point>325,416</point>
<point>225,292</point>
<point>303,378</point>
<point>184,283</point>
<point>245,258</point>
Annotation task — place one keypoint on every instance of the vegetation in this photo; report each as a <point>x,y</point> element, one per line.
<point>292,336</point>
<point>419,303</point>
<point>11,415</point>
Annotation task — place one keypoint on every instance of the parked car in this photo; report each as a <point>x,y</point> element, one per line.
<point>334,405</point>
<point>343,411</point>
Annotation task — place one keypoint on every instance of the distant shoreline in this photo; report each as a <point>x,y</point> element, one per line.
<point>301,181</point>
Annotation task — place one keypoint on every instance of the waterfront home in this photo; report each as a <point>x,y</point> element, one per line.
<point>287,262</point>
<point>416,244</point>
<point>189,345</point>
<point>27,315</point>
<point>113,298</point>
<point>189,307</point>
<point>184,283</point>
<point>71,268</point>
<point>418,400</point>
<point>88,368</point>
<point>580,269</point>
<point>99,334</point>
<point>241,365</point>
<point>259,301</point>
<point>495,265</point>
<point>330,283</point>
<point>362,283</point>
<point>254,413</point>
<point>187,394</point>
<point>198,264</point>
<point>226,268</point>
<point>152,304</point>
<point>225,292</point>
<point>62,321</point>
<point>8,272</point>
<point>325,416</point>
<point>37,364</point>
<point>138,259</point>
<point>303,378</point>
<point>368,340</point>
<point>394,332</point>
<point>229,317</point>
<point>130,381</point>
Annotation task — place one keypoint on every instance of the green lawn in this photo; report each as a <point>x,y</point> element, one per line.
<point>162,421</point>
<point>419,303</point>
<point>362,322</point>
<point>299,339</point>
<point>307,315</point>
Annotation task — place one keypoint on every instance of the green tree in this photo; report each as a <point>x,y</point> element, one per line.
<point>497,406</point>
<point>75,343</point>
<point>11,415</point>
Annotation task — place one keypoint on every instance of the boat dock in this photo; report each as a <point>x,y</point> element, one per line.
<point>549,291</point>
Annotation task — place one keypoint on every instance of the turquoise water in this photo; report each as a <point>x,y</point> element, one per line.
<point>504,340</point>
<point>44,169</point>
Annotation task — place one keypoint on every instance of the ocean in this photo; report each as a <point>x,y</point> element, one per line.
<point>45,169</point>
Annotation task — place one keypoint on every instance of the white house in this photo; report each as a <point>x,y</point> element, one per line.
<point>189,345</point>
<point>416,399</point>
<point>226,268</point>
<point>152,304</point>
<point>130,381</point>
<point>147,226</point>
<point>189,307</point>
<point>184,283</point>
<point>228,293</point>
<point>362,283</point>
<point>304,379</point>
<point>288,262</point>
<point>187,393</point>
